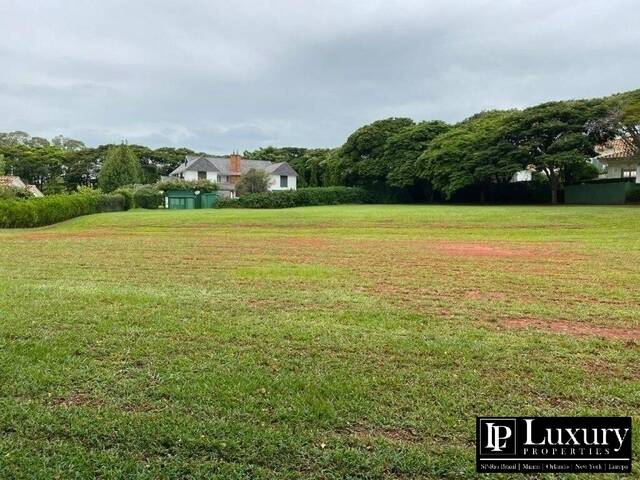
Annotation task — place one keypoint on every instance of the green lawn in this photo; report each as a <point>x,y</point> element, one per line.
<point>321,342</point>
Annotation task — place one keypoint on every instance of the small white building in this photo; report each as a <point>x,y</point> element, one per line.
<point>226,172</point>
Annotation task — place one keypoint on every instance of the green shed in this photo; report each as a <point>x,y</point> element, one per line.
<point>187,199</point>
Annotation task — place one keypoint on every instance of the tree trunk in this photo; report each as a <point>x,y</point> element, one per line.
<point>553,180</point>
<point>482,195</point>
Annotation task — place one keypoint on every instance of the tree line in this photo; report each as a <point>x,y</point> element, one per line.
<point>554,139</point>
<point>424,159</point>
<point>62,164</point>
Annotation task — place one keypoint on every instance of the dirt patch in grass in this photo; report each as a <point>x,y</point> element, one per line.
<point>76,400</point>
<point>607,369</point>
<point>390,434</point>
<point>58,235</point>
<point>574,329</point>
<point>469,249</point>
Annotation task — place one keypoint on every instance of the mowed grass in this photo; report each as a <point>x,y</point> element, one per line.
<point>324,342</point>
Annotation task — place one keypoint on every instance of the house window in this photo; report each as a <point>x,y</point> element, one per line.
<point>628,173</point>
<point>202,175</point>
<point>284,181</point>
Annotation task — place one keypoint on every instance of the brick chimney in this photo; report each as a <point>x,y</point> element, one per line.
<point>234,160</point>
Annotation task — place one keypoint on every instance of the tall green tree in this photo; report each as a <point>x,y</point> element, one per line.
<point>121,167</point>
<point>362,156</point>
<point>254,181</point>
<point>3,165</point>
<point>621,120</point>
<point>402,150</point>
<point>54,185</point>
<point>473,152</point>
<point>555,137</point>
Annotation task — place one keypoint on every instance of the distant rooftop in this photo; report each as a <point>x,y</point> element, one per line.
<point>222,165</point>
<point>617,148</point>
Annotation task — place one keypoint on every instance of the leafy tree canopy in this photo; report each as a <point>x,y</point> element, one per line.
<point>403,149</point>
<point>121,167</point>
<point>622,120</point>
<point>555,136</point>
<point>472,152</point>
<point>254,181</point>
<point>362,155</point>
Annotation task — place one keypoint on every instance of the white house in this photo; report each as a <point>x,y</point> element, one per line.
<point>226,171</point>
<point>620,157</point>
<point>16,182</point>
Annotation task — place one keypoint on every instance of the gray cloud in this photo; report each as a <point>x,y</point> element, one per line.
<point>217,76</point>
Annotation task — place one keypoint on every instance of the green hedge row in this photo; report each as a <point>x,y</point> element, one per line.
<point>299,198</point>
<point>37,212</point>
<point>144,196</point>
<point>633,196</point>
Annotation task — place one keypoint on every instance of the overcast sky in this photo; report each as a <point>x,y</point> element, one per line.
<point>218,75</point>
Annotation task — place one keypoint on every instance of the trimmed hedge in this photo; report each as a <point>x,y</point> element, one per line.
<point>37,212</point>
<point>299,198</point>
<point>174,184</point>
<point>633,196</point>
<point>147,197</point>
<point>127,193</point>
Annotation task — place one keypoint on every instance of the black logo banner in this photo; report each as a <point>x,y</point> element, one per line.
<point>553,444</point>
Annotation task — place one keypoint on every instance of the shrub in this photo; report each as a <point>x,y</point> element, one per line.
<point>37,212</point>
<point>299,198</point>
<point>147,197</point>
<point>224,202</point>
<point>113,202</point>
<point>634,194</point>
<point>14,193</point>
<point>191,185</point>
<point>254,181</point>
<point>127,193</point>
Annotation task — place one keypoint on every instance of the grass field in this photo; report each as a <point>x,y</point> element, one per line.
<point>323,342</point>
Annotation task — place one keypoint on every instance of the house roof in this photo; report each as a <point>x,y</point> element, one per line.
<point>617,148</point>
<point>11,181</point>
<point>33,190</point>
<point>281,168</point>
<point>222,165</point>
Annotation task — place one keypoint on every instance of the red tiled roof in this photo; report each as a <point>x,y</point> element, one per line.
<point>9,180</point>
<point>617,148</point>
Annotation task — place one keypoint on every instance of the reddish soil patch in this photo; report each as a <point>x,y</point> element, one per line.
<point>574,329</point>
<point>312,242</point>
<point>58,235</point>
<point>479,250</point>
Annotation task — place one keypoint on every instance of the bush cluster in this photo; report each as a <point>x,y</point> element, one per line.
<point>127,193</point>
<point>37,212</point>
<point>10,193</point>
<point>299,198</point>
<point>634,194</point>
<point>204,186</point>
<point>141,196</point>
<point>147,197</point>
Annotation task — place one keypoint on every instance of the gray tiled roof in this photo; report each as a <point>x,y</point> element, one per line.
<point>222,165</point>
<point>281,168</point>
